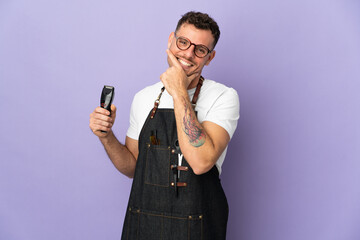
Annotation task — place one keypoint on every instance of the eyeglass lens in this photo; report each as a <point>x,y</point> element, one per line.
<point>184,44</point>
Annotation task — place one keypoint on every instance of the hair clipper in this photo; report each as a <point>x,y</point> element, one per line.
<point>107,97</point>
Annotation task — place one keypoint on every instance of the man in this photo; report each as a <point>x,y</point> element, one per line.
<point>177,140</point>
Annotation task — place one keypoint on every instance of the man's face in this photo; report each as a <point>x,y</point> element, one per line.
<point>187,58</point>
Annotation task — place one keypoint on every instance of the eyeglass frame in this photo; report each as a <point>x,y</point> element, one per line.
<point>195,45</point>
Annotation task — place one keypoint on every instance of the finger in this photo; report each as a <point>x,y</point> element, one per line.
<point>101,110</point>
<point>96,124</point>
<point>100,116</point>
<point>96,128</point>
<point>99,123</point>
<point>101,131</point>
<point>172,59</point>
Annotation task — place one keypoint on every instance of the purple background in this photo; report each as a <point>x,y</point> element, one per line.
<point>292,171</point>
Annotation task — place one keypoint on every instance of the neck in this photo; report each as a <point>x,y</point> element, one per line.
<point>194,83</point>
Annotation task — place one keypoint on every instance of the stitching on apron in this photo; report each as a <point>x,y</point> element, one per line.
<point>194,217</point>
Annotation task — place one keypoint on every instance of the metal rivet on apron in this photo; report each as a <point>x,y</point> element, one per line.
<point>190,217</point>
<point>172,184</point>
<point>138,210</point>
<point>200,217</point>
<point>148,145</point>
<point>173,151</point>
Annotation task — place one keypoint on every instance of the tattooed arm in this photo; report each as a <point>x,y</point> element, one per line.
<point>201,144</point>
<point>193,130</point>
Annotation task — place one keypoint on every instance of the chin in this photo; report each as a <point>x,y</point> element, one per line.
<point>188,71</point>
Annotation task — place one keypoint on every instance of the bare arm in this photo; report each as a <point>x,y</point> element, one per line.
<point>122,156</point>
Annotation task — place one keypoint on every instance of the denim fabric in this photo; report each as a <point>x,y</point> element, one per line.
<point>198,211</point>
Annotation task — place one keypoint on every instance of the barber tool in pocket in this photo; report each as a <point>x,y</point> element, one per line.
<point>176,168</point>
<point>153,138</point>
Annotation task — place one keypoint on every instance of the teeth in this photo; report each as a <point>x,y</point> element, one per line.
<point>184,63</point>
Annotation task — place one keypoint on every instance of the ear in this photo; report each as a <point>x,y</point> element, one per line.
<point>211,57</point>
<point>171,37</point>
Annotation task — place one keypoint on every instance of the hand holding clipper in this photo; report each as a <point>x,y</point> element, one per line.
<point>103,117</point>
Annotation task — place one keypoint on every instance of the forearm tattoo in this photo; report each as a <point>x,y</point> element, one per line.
<point>192,128</point>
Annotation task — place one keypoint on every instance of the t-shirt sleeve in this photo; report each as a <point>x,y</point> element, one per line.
<point>225,111</point>
<point>133,130</point>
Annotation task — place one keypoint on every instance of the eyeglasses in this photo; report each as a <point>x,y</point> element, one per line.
<point>200,50</point>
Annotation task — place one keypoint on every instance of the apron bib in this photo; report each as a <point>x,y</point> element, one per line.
<point>167,200</point>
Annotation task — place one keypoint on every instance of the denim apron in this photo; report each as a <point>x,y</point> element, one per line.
<point>167,200</point>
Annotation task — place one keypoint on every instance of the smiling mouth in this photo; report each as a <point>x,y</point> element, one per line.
<point>183,62</point>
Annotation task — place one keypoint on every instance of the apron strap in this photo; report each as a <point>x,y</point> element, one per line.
<point>197,91</point>
<point>193,101</point>
<point>156,103</point>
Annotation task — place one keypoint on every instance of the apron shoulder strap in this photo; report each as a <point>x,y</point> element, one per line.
<point>197,91</point>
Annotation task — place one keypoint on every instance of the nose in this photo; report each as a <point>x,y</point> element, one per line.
<point>190,52</point>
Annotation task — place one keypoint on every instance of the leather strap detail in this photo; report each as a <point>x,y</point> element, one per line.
<point>179,184</point>
<point>181,168</point>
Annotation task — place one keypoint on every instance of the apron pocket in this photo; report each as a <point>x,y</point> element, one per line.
<point>195,228</point>
<point>130,231</point>
<point>157,169</point>
<point>147,225</point>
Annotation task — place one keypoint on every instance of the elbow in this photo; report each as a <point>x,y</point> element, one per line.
<point>128,173</point>
<point>200,171</point>
<point>131,175</point>
<point>201,164</point>
<point>202,168</point>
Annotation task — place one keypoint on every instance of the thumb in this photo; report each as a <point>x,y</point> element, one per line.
<point>113,110</point>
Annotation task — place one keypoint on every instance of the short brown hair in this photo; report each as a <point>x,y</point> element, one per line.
<point>201,21</point>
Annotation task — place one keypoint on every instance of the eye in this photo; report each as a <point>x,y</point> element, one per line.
<point>202,50</point>
<point>183,42</point>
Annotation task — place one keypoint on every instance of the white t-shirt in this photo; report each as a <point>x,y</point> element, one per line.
<point>216,103</point>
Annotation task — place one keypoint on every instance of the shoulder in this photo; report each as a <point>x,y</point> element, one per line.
<point>149,92</point>
<point>144,99</point>
<point>214,91</point>
<point>142,103</point>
